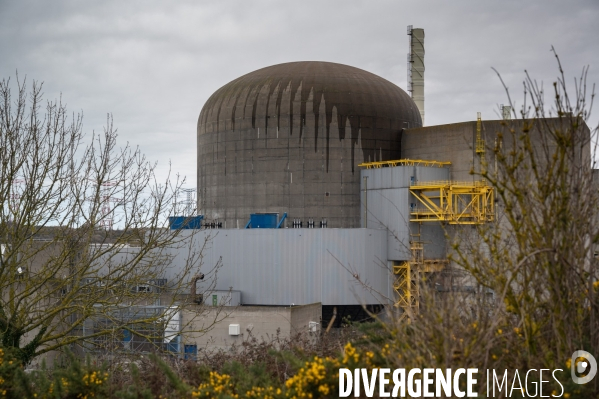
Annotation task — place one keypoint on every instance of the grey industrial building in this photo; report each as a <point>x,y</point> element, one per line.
<point>307,196</point>
<point>288,140</point>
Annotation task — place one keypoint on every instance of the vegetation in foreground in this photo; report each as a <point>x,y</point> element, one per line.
<point>258,369</point>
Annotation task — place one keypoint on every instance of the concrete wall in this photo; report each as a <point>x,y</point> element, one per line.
<point>453,143</point>
<point>260,322</point>
<point>301,316</point>
<point>456,143</point>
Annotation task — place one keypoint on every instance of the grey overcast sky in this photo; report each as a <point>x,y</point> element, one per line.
<point>153,64</point>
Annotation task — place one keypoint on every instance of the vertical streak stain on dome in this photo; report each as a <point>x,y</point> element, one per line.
<point>364,99</point>
<point>328,118</point>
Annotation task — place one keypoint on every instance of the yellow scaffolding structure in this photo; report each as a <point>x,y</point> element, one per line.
<point>403,162</point>
<point>453,202</point>
<point>408,279</point>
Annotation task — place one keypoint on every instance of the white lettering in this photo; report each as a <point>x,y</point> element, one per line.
<point>443,381</point>
<point>560,384</point>
<point>496,381</point>
<point>369,387</point>
<point>399,381</point>
<point>414,383</point>
<point>357,383</point>
<point>456,383</point>
<point>427,381</point>
<point>541,383</point>
<point>517,378</point>
<point>345,389</point>
<point>383,381</point>
<point>533,384</point>
<point>471,382</point>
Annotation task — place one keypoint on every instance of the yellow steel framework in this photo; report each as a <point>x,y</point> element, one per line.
<point>453,202</point>
<point>403,162</point>
<point>439,201</point>
<point>480,142</point>
<point>408,279</point>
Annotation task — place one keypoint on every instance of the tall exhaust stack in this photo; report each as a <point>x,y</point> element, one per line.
<point>416,68</point>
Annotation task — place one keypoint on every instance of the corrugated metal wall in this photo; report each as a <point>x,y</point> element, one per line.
<point>296,266</point>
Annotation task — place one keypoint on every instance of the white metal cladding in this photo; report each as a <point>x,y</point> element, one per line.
<point>389,201</point>
<point>428,173</point>
<point>402,176</point>
<point>385,212</point>
<point>298,266</point>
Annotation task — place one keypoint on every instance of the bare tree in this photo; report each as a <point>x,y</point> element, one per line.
<point>539,257</point>
<point>85,244</point>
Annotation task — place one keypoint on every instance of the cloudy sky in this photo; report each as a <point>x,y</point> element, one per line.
<point>153,64</point>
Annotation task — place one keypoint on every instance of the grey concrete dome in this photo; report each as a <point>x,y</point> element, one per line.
<point>289,137</point>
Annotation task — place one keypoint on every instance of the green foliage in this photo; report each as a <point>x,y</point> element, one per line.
<point>13,381</point>
<point>246,378</point>
<point>136,390</point>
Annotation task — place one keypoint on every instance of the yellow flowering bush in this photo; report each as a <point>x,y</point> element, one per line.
<point>76,381</point>
<point>221,386</point>
<point>313,380</point>
<point>319,378</point>
<point>218,385</point>
<point>314,377</point>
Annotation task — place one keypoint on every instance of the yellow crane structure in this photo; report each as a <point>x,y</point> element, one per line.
<point>453,202</point>
<point>441,201</point>
<point>449,202</point>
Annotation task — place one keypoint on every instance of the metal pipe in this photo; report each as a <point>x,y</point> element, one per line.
<point>282,219</point>
<point>332,320</point>
<point>194,286</point>
<point>366,202</point>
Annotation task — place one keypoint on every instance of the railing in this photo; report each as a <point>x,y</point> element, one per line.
<point>446,183</point>
<point>403,162</point>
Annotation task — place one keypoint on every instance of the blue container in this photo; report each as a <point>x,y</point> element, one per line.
<point>191,352</point>
<point>264,220</point>
<point>185,222</point>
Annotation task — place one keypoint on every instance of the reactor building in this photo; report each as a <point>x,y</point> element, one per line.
<point>289,138</point>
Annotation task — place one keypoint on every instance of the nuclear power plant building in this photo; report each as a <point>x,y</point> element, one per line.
<point>317,187</point>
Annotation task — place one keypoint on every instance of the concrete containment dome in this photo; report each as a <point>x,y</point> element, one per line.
<point>289,137</point>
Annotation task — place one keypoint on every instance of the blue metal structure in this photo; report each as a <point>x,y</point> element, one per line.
<point>282,220</point>
<point>265,221</point>
<point>190,352</point>
<point>185,222</point>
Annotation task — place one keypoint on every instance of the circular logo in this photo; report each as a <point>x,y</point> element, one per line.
<point>581,366</point>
